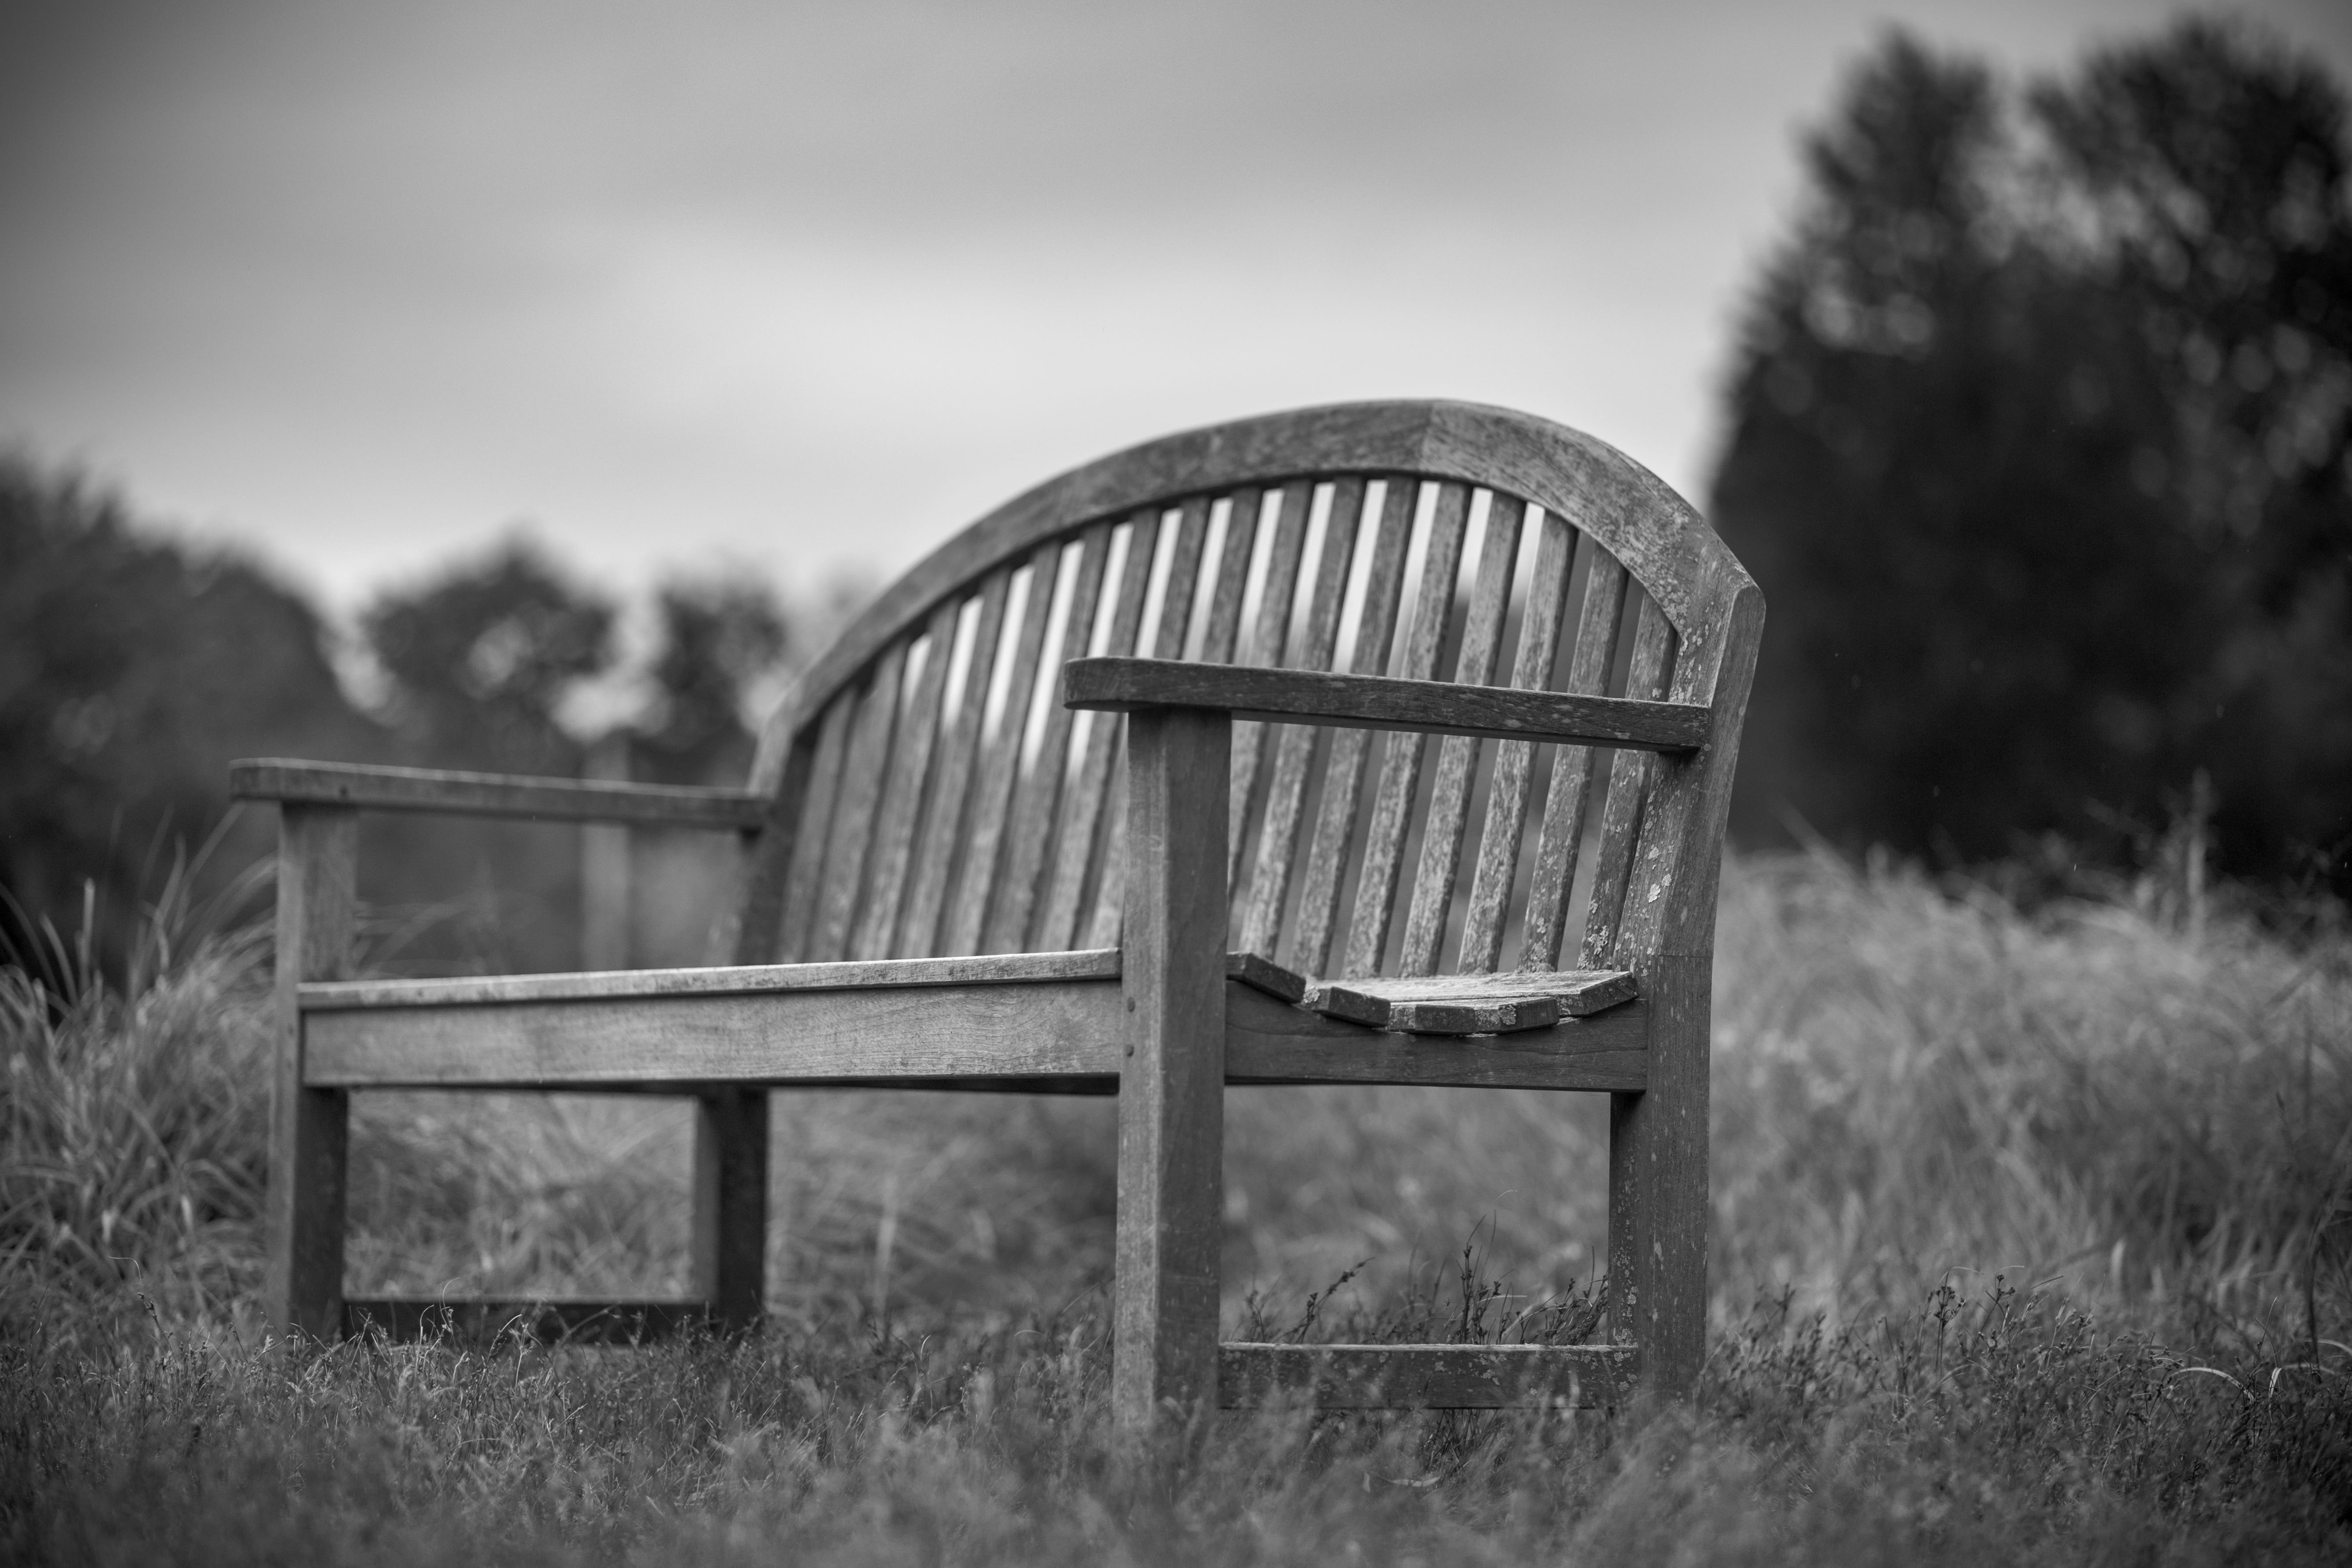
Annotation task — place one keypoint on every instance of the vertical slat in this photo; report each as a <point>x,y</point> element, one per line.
<point>1168,642</point>
<point>902,790</point>
<point>1506,801</point>
<point>1629,780</point>
<point>853,814</point>
<point>730,1204</point>
<point>1343,775</point>
<point>945,816</point>
<point>805,875</point>
<point>991,803</point>
<point>1449,799</point>
<point>1286,798</point>
<point>318,874</point>
<point>1384,840</point>
<point>1038,796</point>
<point>1553,879</point>
<point>1171,1226</point>
<point>1078,843</point>
<point>1224,623</point>
<point>1272,634</point>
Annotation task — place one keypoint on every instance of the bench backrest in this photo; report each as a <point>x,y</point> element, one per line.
<point>932,796</point>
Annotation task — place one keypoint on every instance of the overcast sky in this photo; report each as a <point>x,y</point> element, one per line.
<point>807,287</point>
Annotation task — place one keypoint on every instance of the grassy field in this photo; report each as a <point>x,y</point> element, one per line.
<point>2033,1243</point>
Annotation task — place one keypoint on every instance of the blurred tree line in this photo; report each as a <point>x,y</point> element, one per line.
<point>2040,446</point>
<point>133,669</point>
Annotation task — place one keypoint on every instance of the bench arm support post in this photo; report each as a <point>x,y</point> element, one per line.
<point>318,865</point>
<point>1172,1070</point>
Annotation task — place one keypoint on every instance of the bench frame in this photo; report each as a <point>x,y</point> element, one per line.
<point>1166,1020</point>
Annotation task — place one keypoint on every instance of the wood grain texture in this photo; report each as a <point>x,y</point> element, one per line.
<point>991,818</point>
<point>1553,879</point>
<point>1379,702</point>
<point>721,980</point>
<point>863,773</point>
<point>1037,801</point>
<point>946,815</point>
<point>1052,1033</point>
<point>1629,784</point>
<point>1104,923</point>
<point>804,872</point>
<point>1604,494</point>
<point>1267,1042</point>
<point>494,794</point>
<point>1474,1003</point>
<point>1384,838</point>
<point>1269,638</point>
<point>1294,745</point>
<point>478,1320</point>
<point>730,1204</point>
<point>1171,1071</point>
<point>903,783</point>
<point>754,934</point>
<point>1343,772</point>
<point>1428,1377</point>
<point>1498,862</point>
<point>1220,633</point>
<point>317,873</point>
<point>898,1034</point>
<point>1086,811</point>
<point>1458,756</point>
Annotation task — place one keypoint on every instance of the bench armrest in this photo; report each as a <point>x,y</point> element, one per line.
<point>494,794</point>
<point>1378,702</point>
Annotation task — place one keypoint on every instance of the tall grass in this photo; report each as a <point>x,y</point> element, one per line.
<point>2032,1243</point>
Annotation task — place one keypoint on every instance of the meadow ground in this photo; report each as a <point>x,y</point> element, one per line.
<point>2033,1243</point>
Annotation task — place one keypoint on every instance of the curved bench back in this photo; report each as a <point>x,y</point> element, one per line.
<point>932,796</point>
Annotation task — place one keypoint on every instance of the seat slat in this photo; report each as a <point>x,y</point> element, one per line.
<point>1268,641</point>
<point>902,793</point>
<point>947,811</point>
<point>1038,798</point>
<point>1343,773</point>
<point>1078,844</point>
<point>1629,774</point>
<point>1295,747</point>
<point>1474,1003</point>
<point>853,816</point>
<point>991,804</point>
<point>1553,878</point>
<point>1506,802</point>
<point>1385,841</point>
<point>1458,756</point>
<point>804,877</point>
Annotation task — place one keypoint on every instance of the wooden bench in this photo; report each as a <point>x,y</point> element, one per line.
<point>959,868</point>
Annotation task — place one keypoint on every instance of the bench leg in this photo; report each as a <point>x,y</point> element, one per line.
<point>1657,1189</point>
<point>1172,1076</point>
<point>318,864</point>
<point>730,1204</point>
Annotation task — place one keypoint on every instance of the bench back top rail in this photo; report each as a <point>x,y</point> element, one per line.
<point>931,795</point>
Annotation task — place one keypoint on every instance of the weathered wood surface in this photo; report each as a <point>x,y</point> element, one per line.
<point>1552,878</point>
<point>1435,1377</point>
<point>1384,837</point>
<point>317,874</point>
<point>1475,1003</point>
<point>1380,702</point>
<point>1318,895</point>
<point>1630,776</point>
<point>494,794</point>
<point>1170,1227</point>
<point>1057,1034</point>
<point>946,823</point>
<point>1606,495</point>
<point>1268,640</point>
<point>478,1319</point>
<point>991,818</point>
<point>1458,755</point>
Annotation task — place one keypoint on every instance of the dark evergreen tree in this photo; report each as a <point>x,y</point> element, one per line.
<point>2039,449</point>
